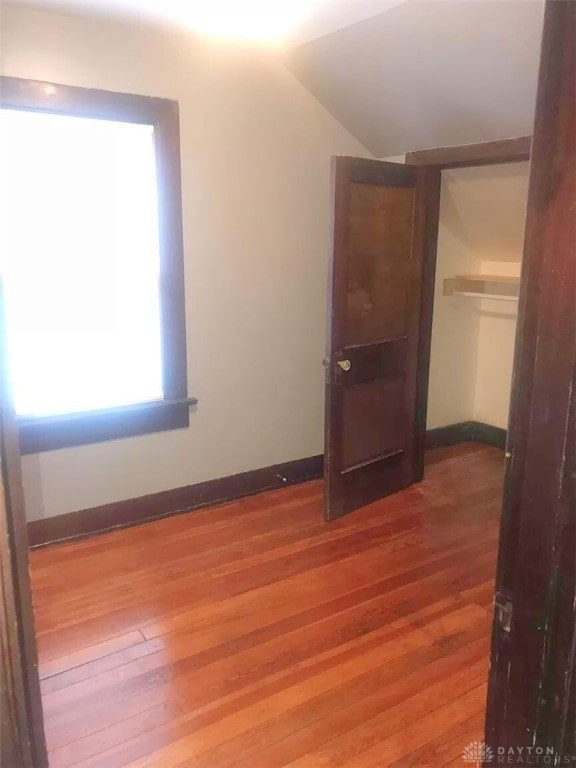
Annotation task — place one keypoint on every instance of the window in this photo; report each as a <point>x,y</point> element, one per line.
<point>92,269</point>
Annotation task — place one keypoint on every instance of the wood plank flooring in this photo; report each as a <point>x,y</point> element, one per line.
<point>255,635</point>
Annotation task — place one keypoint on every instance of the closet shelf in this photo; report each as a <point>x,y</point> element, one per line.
<point>483,287</point>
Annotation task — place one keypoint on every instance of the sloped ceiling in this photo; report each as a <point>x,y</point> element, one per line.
<point>485,208</point>
<point>429,73</point>
<point>400,75</point>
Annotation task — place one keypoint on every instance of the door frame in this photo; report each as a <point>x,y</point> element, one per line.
<point>513,150</point>
<point>24,721</point>
<point>432,162</point>
<point>496,152</point>
<point>532,684</point>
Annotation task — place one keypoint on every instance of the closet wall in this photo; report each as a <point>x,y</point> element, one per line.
<point>482,212</point>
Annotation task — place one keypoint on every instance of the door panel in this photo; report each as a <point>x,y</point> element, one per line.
<point>372,420</point>
<point>375,294</point>
<point>378,262</point>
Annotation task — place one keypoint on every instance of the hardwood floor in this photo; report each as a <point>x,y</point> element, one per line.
<point>255,635</point>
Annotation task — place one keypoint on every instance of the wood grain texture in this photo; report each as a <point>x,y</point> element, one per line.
<point>121,514</point>
<point>531,694</point>
<point>379,224</point>
<point>431,190</point>
<point>485,153</point>
<point>22,743</point>
<point>254,634</point>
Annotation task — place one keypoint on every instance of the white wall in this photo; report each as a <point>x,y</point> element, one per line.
<point>454,328</point>
<point>482,212</point>
<point>255,163</point>
<point>495,351</point>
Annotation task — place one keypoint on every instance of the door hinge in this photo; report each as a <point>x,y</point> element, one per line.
<point>503,612</point>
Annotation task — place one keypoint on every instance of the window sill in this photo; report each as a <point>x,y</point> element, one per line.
<point>50,433</point>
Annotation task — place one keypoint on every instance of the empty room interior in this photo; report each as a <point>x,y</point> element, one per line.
<point>261,270</point>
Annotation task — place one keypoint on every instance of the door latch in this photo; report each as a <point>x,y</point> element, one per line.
<point>503,612</point>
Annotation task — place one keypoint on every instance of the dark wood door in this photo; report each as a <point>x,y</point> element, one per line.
<point>22,742</point>
<point>373,441</point>
<point>532,690</point>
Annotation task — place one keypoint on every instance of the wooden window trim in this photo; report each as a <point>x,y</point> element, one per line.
<point>39,434</point>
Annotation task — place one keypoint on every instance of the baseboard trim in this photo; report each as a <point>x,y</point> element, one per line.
<point>465,431</point>
<point>121,514</point>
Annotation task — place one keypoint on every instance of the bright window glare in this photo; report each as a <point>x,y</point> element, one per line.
<point>80,262</point>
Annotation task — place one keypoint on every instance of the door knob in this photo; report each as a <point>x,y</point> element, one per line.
<point>344,364</point>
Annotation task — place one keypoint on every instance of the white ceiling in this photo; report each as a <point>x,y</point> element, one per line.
<point>289,22</point>
<point>429,73</point>
<point>400,75</point>
<point>331,15</point>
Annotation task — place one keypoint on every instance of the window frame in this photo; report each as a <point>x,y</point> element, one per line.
<point>49,433</point>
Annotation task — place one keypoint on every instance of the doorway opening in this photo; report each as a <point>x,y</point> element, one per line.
<point>479,252</point>
<point>390,307</point>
